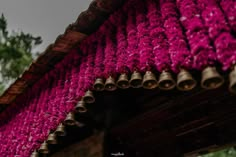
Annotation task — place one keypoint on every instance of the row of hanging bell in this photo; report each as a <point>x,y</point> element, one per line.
<point>148,81</point>
<point>211,79</point>
<point>87,99</point>
<point>52,139</point>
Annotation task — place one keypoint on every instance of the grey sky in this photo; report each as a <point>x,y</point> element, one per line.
<point>46,18</point>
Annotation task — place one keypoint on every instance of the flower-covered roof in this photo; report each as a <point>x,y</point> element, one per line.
<point>87,22</point>
<point>142,44</point>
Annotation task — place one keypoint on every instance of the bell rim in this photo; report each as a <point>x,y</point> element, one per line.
<point>216,85</point>
<point>192,86</point>
<point>98,88</point>
<point>43,151</point>
<point>81,109</point>
<point>173,84</point>
<point>136,85</point>
<point>89,99</point>
<point>155,84</point>
<point>70,122</point>
<point>126,82</point>
<point>52,142</point>
<point>110,89</point>
<point>60,133</point>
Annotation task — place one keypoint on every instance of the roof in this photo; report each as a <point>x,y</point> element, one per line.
<point>87,22</point>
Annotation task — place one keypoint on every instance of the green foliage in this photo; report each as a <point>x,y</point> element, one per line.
<point>231,152</point>
<point>15,52</point>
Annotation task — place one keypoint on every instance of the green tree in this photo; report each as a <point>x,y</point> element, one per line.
<point>15,53</point>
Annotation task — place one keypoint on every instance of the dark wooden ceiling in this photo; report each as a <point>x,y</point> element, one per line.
<point>154,123</point>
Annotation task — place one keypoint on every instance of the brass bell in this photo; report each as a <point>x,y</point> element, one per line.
<point>80,107</point>
<point>99,84</point>
<point>70,119</point>
<point>123,81</point>
<point>232,80</point>
<point>44,148</point>
<point>149,80</point>
<point>110,84</point>
<point>136,80</point>
<point>166,81</point>
<point>35,154</point>
<point>88,97</point>
<point>211,79</point>
<point>60,131</point>
<point>52,139</point>
<point>185,81</point>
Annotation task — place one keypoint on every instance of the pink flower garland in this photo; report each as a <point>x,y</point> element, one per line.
<point>81,88</point>
<point>226,50</point>
<point>159,41</point>
<point>89,72</point>
<point>145,48</point>
<point>197,35</point>
<point>178,48</point>
<point>132,53</point>
<point>110,54</point>
<point>229,8</point>
<point>118,20</point>
<point>99,66</point>
<point>219,32</point>
<point>26,123</point>
<point>32,123</point>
